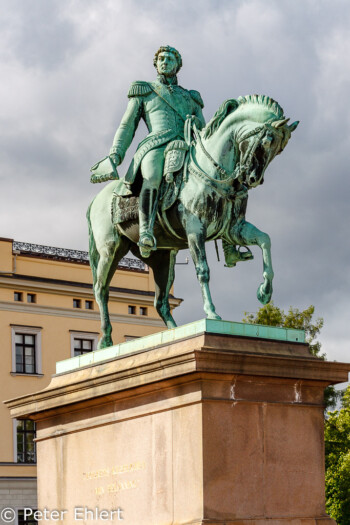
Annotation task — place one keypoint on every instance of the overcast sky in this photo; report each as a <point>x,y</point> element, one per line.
<point>65,71</point>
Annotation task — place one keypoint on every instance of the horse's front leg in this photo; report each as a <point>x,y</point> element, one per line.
<point>248,234</point>
<point>196,236</point>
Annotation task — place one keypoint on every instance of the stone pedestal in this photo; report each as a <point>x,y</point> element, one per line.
<point>209,428</point>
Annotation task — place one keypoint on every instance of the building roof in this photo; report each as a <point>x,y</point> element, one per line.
<point>66,254</point>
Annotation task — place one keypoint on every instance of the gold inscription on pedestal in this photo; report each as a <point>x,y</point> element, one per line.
<point>116,469</point>
<point>118,485</point>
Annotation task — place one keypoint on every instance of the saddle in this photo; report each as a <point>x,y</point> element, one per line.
<point>125,205</point>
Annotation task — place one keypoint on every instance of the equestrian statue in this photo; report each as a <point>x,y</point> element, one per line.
<point>187,184</point>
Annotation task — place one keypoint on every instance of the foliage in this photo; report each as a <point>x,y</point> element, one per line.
<point>272,315</point>
<point>337,442</point>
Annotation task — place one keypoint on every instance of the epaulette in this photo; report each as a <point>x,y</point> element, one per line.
<point>139,88</point>
<point>196,97</point>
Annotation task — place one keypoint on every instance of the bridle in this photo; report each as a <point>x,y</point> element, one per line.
<point>242,166</point>
<point>259,132</point>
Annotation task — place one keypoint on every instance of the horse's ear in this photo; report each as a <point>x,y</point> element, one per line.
<point>293,126</point>
<point>279,123</point>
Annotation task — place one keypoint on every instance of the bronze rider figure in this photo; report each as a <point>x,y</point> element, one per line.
<point>164,106</point>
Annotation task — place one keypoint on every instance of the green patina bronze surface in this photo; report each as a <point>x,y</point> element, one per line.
<point>187,184</point>
<point>181,332</point>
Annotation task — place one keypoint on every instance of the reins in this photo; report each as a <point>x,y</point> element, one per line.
<point>217,166</point>
<point>241,167</point>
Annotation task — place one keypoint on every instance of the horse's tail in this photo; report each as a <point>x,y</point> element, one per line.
<point>94,256</point>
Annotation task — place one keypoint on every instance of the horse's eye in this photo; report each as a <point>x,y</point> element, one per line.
<point>267,141</point>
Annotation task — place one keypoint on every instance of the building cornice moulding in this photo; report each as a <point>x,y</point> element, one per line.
<point>82,290</point>
<point>92,315</point>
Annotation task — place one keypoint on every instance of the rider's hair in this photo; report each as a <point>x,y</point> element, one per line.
<point>169,49</point>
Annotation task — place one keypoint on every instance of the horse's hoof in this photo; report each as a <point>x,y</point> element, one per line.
<point>214,316</point>
<point>104,343</point>
<point>171,324</point>
<point>262,296</point>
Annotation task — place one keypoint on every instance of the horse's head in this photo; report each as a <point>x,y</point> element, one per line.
<point>259,146</point>
<point>255,127</point>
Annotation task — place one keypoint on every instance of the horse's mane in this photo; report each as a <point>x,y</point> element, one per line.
<point>232,104</point>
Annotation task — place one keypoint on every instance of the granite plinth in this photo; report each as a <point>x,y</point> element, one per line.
<point>208,429</point>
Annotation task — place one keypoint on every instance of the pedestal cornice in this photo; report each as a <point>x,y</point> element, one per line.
<point>193,357</point>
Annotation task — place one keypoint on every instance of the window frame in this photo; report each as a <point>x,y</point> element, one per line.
<point>92,336</point>
<point>15,444</point>
<point>32,297</point>
<point>27,348</point>
<point>27,330</point>
<point>21,509</point>
<point>89,302</point>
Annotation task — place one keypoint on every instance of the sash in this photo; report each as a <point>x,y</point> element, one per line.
<point>160,95</point>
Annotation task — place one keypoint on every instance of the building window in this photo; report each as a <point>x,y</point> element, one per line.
<point>25,435</point>
<point>31,298</point>
<point>76,303</point>
<point>25,353</point>
<point>89,305</point>
<point>83,342</point>
<point>26,350</point>
<point>132,310</point>
<point>27,519</point>
<point>143,310</point>
<point>18,296</point>
<point>82,346</point>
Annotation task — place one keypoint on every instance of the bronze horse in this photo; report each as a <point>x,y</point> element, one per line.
<point>226,159</point>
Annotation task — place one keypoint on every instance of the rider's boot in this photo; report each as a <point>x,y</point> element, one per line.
<point>147,242</point>
<point>232,255</point>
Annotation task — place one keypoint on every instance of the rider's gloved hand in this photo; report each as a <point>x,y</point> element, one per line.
<point>196,121</point>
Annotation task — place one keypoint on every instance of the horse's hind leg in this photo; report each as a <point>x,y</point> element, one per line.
<point>110,254</point>
<point>164,274</point>
<point>162,263</point>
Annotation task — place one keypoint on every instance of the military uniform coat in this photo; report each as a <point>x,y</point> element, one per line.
<point>164,109</point>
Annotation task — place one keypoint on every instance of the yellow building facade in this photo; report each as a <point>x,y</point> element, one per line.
<point>47,314</point>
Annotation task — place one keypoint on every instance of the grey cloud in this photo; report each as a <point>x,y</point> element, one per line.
<point>39,33</point>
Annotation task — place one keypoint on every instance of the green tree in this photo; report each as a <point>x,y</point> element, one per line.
<point>337,443</point>
<point>272,315</point>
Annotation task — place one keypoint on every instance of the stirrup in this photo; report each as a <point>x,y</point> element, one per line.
<point>233,256</point>
<point>147,247</point>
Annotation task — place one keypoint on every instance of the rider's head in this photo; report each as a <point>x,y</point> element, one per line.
<point>167,61</point>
